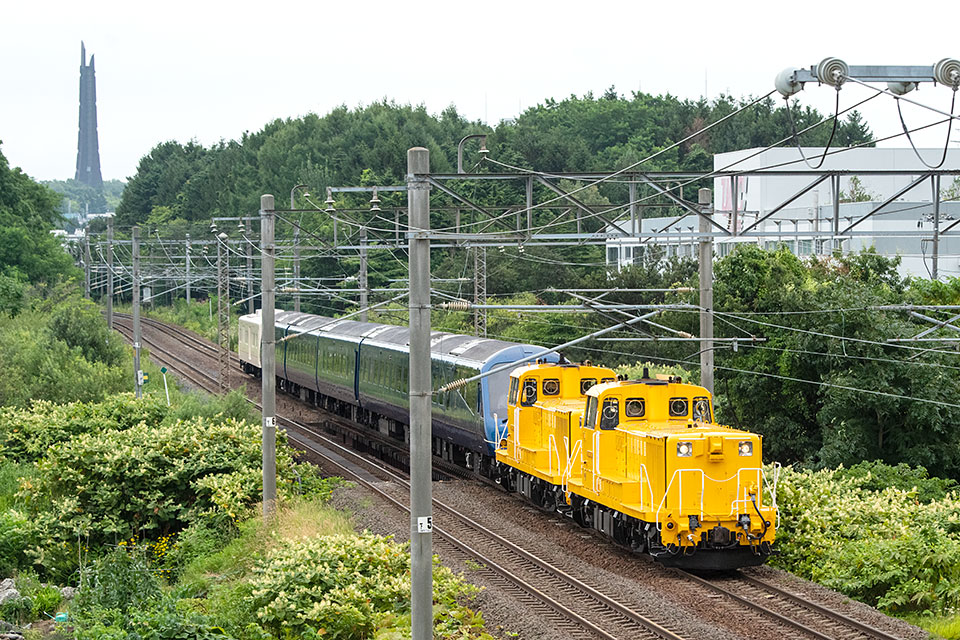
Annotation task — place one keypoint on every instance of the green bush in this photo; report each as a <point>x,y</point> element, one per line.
<point>121,598</point>
<point>151,480</point>
<point>79,324</point>
<point>345,587</point>
<point>14,528</point>
<point>37,368</point>
<point>27,434</point>
<point>885,547</point>
<point>876,476</point>
<point>59,350</point>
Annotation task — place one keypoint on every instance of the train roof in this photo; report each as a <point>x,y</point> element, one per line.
<point>441,342</point>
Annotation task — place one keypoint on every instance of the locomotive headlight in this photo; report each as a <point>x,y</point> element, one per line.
<point>746,448</point>
<point>684,449</point>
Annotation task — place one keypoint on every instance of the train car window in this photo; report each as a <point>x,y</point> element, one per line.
<point>514,390</point>
<point>551,387</point>
<point>679,407</point>
<point>529,394</point>
<point>591,419</point>
<point>605,380</point>
<point>634,408</point>
<point>610,414</point>
<point>585,384</point>
<point>701,409</point>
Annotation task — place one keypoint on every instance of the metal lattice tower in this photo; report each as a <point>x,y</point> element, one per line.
<point>223,311</point>
<point>480,290</point>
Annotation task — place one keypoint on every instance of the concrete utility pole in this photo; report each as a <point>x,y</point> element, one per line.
<point>837,241</point>
<point>137,372</point>
<point>421,432</point>
<point>268,361</point>
<point>705,198</point>
<point>86,263</point>
<point>296,268</point>
<point>188,269</point>
<point>250,299</point>
<point>935,270</point>
<point>364,298</point>
<point>296,251</point>
<point>223,310</point>
<point>110,275</point>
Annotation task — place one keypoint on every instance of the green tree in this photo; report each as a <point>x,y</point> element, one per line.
<point>28,211</point>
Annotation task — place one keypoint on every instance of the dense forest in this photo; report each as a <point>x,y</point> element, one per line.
<point>576,134</point>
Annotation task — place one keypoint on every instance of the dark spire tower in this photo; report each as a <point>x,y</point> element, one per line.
<point>88,145</point>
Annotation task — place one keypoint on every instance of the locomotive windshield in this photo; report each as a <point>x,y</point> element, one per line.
<point>514,390</point>
<point>701,409</point>
<point>610,414</point>
<point>528,396</point>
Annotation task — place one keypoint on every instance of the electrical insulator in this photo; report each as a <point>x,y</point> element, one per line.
<point>832,71</point>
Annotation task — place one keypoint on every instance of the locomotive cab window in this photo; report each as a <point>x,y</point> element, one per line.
<point>529,393</point>
<point>585,384</point>
<point>701,409</point>
<point>605,380</point>
<point>610,414</point>
<point>591,413</point>
<point>634,408</point>
<point>679,407</point>
<point>514,391</point>
<point>551,387</point>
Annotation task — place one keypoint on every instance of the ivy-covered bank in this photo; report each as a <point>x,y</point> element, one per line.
<point>150,513</point>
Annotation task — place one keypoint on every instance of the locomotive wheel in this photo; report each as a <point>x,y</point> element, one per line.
<point>622,533</point>
<point>548,500</point>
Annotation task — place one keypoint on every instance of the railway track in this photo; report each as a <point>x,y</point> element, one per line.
<point>808,618</point>
<point>580,609</point>
<point>584,610</point>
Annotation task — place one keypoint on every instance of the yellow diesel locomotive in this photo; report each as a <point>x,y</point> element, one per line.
<point>641,461</point>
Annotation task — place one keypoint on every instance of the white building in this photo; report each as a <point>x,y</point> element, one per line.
<point>886,173</point>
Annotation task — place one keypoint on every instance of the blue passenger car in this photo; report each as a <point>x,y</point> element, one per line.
<point>335,363</point>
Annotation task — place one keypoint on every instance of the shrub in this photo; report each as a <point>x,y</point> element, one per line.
<point>14,527</point>
<point>79,324</point>
<point>27,434</point>
<point>152,480</point>
<point>885,546</point>
<point>340,586</point>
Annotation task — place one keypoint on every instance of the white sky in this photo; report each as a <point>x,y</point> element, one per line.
<point>212,70</point>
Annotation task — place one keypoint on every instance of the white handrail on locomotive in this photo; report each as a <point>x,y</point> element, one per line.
<point>761,474</point>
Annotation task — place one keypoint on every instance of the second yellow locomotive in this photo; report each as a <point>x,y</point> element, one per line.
<point>642,461</point>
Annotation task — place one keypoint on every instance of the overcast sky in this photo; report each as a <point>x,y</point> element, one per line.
<point>211,70</point>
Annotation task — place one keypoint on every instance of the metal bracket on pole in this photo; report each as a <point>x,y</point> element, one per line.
<point>900,79</point>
